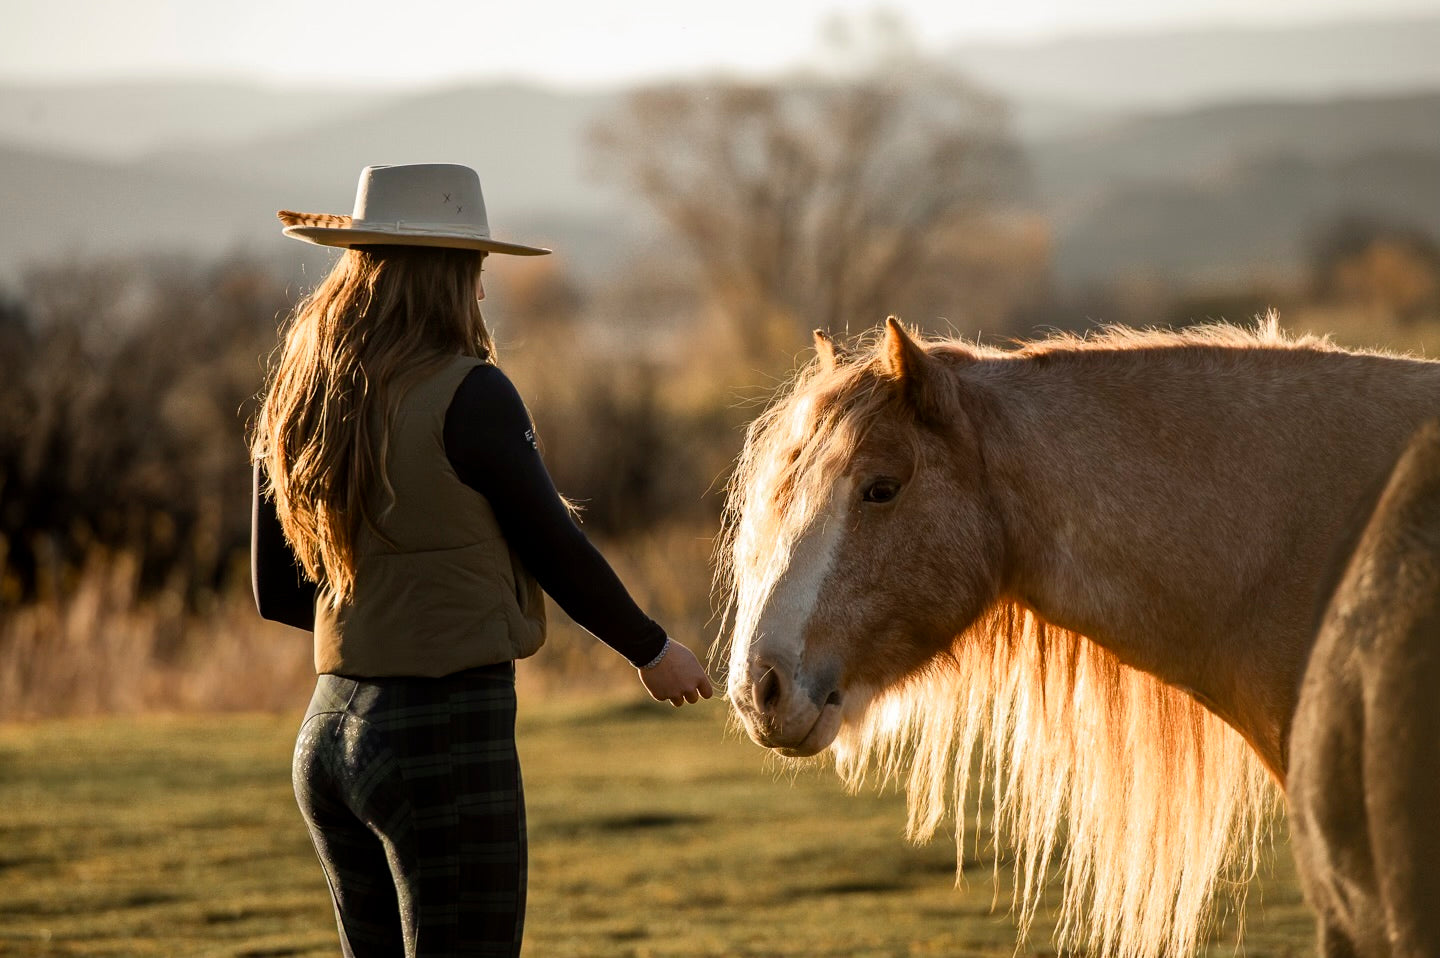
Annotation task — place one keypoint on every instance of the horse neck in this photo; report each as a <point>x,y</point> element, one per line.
<point>1182,507</point>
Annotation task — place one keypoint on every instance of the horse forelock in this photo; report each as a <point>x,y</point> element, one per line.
<point>794,453</point>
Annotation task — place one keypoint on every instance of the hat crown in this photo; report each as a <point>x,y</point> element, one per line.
<point>434,194</point>
<point>414,204</point>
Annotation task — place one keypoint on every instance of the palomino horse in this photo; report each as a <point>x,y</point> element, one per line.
<point>1098,566</point>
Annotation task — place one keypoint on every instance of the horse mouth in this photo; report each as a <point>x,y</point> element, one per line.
<point>821,734</point>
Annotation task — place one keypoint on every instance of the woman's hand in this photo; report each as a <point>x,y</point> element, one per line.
<point>677,678</point>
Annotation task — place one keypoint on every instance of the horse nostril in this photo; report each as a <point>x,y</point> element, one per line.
<point>833,698</point>
<point>769,690</point>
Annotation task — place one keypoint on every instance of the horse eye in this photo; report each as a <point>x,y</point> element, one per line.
<point>881,490</point>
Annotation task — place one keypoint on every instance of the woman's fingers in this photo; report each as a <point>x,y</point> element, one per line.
<point>690,696</point>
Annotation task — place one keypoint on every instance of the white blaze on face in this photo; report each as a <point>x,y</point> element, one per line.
<point>779,582</point>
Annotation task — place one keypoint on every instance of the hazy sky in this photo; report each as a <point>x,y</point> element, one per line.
<point>422,42</point>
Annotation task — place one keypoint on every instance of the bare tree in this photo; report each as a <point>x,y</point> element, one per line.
<point>823,201</point>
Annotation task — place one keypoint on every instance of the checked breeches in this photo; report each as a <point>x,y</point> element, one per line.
<point>411,789</point>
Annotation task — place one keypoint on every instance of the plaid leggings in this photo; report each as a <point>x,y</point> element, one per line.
<point>411,788</point>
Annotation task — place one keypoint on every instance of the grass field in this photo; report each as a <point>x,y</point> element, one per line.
<point>653,833</point>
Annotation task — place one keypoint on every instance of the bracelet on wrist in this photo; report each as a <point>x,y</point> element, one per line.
<point>656,661</point>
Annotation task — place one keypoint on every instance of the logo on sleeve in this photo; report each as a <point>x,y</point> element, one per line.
<point>530,438</point>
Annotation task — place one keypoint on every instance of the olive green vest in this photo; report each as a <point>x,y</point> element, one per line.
<point>445,592</point>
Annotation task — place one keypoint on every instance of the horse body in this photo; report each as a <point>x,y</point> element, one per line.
<point>935,546</point>
<point>1364,781</point>
<point>1191,501</point>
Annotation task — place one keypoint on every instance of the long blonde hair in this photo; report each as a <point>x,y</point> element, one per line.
<point>381,319</point>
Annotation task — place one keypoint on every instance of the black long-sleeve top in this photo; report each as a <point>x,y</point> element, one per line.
<point>491,445</point>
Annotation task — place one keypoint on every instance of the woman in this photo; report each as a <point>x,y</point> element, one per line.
<point>402,513</point>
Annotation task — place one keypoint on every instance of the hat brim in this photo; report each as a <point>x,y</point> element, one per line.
<point>346,237</point>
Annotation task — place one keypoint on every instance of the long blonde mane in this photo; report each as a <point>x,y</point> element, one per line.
<point>1140,800</point>
<point>1157,801</point>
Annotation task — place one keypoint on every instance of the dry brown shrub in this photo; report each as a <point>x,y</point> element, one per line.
<point>102,647</point>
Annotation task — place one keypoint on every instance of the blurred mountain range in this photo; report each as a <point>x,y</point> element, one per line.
<point>1194,155</point>
<point>1179,69</point>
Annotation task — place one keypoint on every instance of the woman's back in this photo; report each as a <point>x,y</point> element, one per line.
<point>436,568</point>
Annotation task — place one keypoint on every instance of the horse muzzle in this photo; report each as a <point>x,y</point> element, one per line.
<point>782,714</point>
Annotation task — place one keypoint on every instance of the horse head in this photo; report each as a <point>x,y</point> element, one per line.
<point>861,539</point>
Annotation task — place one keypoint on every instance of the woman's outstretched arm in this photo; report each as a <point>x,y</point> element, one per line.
<point>491,443</point>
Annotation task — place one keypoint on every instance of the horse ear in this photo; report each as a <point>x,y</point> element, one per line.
<point>904,359</point>
<point>911,366</point>
<point>829,351</point>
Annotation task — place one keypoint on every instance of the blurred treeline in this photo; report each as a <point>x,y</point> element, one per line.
<point>126,385</point>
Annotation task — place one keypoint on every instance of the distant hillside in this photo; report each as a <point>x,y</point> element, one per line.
<point>1209,140</point>
<point>1257,220</point>
<point>122,120</point>
<point>1187,190</point>
<point>529,145</point>
<point>1057,85</point>
<point>1235,186</point>
<point>1169,70</point>
<point>56,206</point>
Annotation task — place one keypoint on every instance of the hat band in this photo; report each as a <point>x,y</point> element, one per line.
<point>422,229</point>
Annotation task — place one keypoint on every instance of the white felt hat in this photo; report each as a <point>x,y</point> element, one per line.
<point>414,204</point>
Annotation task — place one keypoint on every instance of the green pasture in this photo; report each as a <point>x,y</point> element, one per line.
<point>653,833</point>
